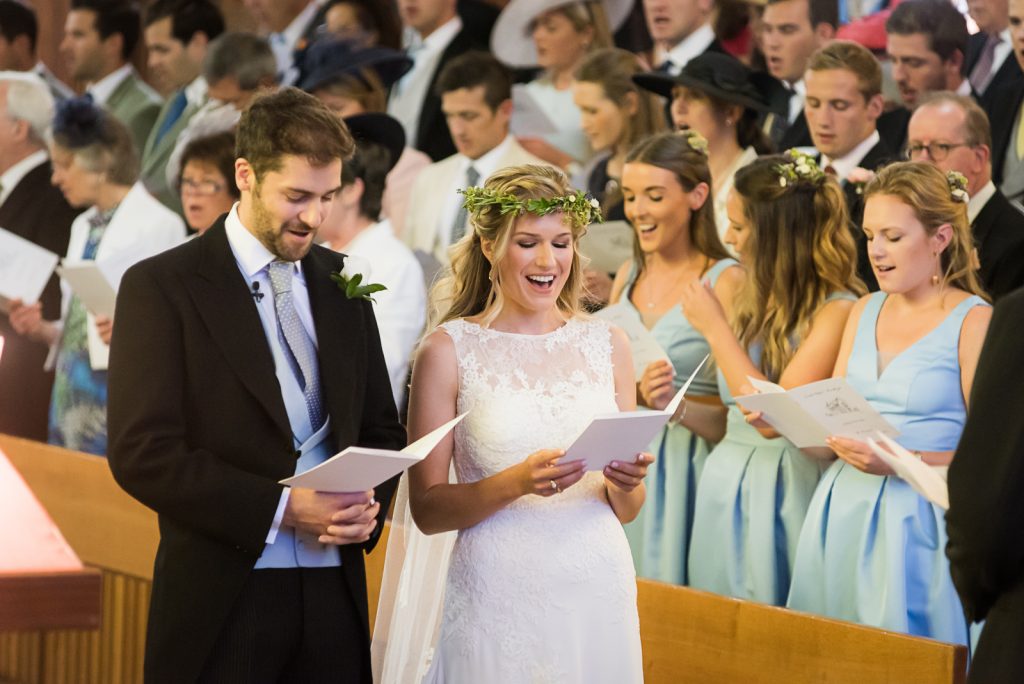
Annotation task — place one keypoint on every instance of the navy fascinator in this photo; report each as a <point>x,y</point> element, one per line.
<point>79,122</point>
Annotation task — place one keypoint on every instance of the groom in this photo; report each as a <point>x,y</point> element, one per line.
<point>235,363</point>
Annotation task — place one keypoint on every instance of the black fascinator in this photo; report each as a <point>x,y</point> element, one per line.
<point>78,122</point>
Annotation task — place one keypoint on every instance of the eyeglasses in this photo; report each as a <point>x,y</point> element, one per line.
<point>936,151</point>
<point>201,187</point>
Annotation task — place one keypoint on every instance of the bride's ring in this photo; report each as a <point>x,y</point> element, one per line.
<point>554,486</point>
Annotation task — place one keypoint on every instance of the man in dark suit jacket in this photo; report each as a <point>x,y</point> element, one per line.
<point>440,36</point>
<point>952,132</point>
<point>989,64</point>
<point>844,101</point>
<point>216,395</point>
<point>986,478</point>
<point>31,208</point>
<point>792,31</point>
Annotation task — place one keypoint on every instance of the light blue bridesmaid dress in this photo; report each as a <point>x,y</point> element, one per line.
<point>872,549</point>
<point>660,536</point>
<point>751,502</point>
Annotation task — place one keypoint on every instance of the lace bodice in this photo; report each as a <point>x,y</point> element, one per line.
<point>527,392</point>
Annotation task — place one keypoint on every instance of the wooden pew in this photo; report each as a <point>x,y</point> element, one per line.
<point>688,635</point>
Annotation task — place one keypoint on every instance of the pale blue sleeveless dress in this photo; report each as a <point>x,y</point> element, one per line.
<point>660,536</point>
<point>751,502</point>
<point>872,549</point>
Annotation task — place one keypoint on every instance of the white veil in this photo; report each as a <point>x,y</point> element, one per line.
<point>411,597</point>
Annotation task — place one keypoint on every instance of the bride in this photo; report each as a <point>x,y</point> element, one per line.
<point>541,586</point>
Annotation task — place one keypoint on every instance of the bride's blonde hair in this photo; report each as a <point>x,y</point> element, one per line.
<point>472,287</point>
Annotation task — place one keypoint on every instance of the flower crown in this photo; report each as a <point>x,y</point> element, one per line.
<point>800,167</point>
<point>696,141</point>
<point>957,186</point>
<point>581,210</point>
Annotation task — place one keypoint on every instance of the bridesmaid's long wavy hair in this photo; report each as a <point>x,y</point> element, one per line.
<point>473,287</point>
<point>800,250</point>
<point>924,189</point>
<point>673,152</point>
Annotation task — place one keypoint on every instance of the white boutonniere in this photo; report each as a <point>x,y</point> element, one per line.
<point>860,177</point>
<point>353,279</point>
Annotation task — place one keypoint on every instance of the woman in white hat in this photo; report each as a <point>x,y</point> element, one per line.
<point>555,35</point>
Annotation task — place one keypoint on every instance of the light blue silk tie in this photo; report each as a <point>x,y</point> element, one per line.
<point>297,342</point>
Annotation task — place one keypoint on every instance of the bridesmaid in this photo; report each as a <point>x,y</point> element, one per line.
<point>666,187</point>
<point>872,550</point>
<point>788,223</point>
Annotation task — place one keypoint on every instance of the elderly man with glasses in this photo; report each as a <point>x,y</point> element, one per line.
<point>952,133</point>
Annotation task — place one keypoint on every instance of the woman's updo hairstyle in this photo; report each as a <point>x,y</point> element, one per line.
<point>473,285</point>
<point>99,142</point>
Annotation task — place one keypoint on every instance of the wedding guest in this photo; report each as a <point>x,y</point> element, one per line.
<point>100,37</point>
<point>289,25</point>
<point>792,31</point>
<point>681,30</point>
<point>19,34</point>
<point>985,480</point>
<point>666,185</point>
<point>788,223</point>
<point>95,166</point>
<point>351,80</point>
<point>871,550</point>
<point>177,35</point>
<point>366,22</point>
<point>1005,109</point>
<point>33,209</point>
<point>434,35</point>
<point>988,62</point>
<point>207,180</point>
<point>616,114</point>
<point>842,107</point>
<point>476,96</point>
<point>716,95</point>
<point>555,36</point>
<point>355,227</point>
<point>951,132</point>
<point>514,351</point>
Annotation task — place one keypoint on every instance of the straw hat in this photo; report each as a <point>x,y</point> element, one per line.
<point>511,41</point>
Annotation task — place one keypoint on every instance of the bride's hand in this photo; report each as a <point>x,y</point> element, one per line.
<point>626,476</point>
<point>543,475</point>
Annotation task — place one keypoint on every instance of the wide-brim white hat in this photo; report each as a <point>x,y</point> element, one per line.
<point>511,41</point>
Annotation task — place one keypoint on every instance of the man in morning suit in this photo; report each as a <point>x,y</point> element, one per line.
<point>844,101</point>
<point>681,30</point>
<point>951,132</point>
<point>99,39</point>
<point>177,35</point>
<point>792,31</point>
<point>1005,109</point>
<point>986,478</point>
<point>437,35</point>
<point>988,63</point>
<point>237,362</point>
<point>31,208</point>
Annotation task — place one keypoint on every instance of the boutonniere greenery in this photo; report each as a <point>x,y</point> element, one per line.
<point>350,281</point>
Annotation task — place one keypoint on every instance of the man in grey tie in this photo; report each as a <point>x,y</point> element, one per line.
<point>242,363</point>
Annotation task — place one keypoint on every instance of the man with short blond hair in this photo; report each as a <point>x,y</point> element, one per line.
<point>844,102</point>
<point>951,132</point>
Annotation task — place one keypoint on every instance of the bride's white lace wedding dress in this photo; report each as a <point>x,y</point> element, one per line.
<point>543,590</point>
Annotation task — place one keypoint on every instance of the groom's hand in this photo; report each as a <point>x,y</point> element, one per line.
<point>348,518</point>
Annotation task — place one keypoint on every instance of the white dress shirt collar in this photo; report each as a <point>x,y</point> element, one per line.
<point>797,98</point>
<point>10,178</point>
<point>437,40</point>
<point>252,256</point>
<point>102,89</point>
<point>979,200</point>
<point>847,163</point>
<point>487,163</point>
<point>688,48</point>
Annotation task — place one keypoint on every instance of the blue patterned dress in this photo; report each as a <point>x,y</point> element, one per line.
<point>660,536</point>
<point>78,404</point>
<point>751,502</point>
<point>872,549</point>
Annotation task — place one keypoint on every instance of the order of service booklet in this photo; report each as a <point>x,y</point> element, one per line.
<point>808,414</point>
<point>358,469</point>
<point>927,480</point>
<point>621,436</point>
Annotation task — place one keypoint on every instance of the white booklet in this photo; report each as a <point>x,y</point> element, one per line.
<point>608,245</point>
<point>644,347</point>
<point>621,436</point>
<point>358,469</point>
<point>927,480</point>
<point>95,285</point>
<point>806,415</point>
<point>25,268</point>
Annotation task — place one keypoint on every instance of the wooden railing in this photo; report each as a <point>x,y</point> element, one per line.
<point>688,635</point>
